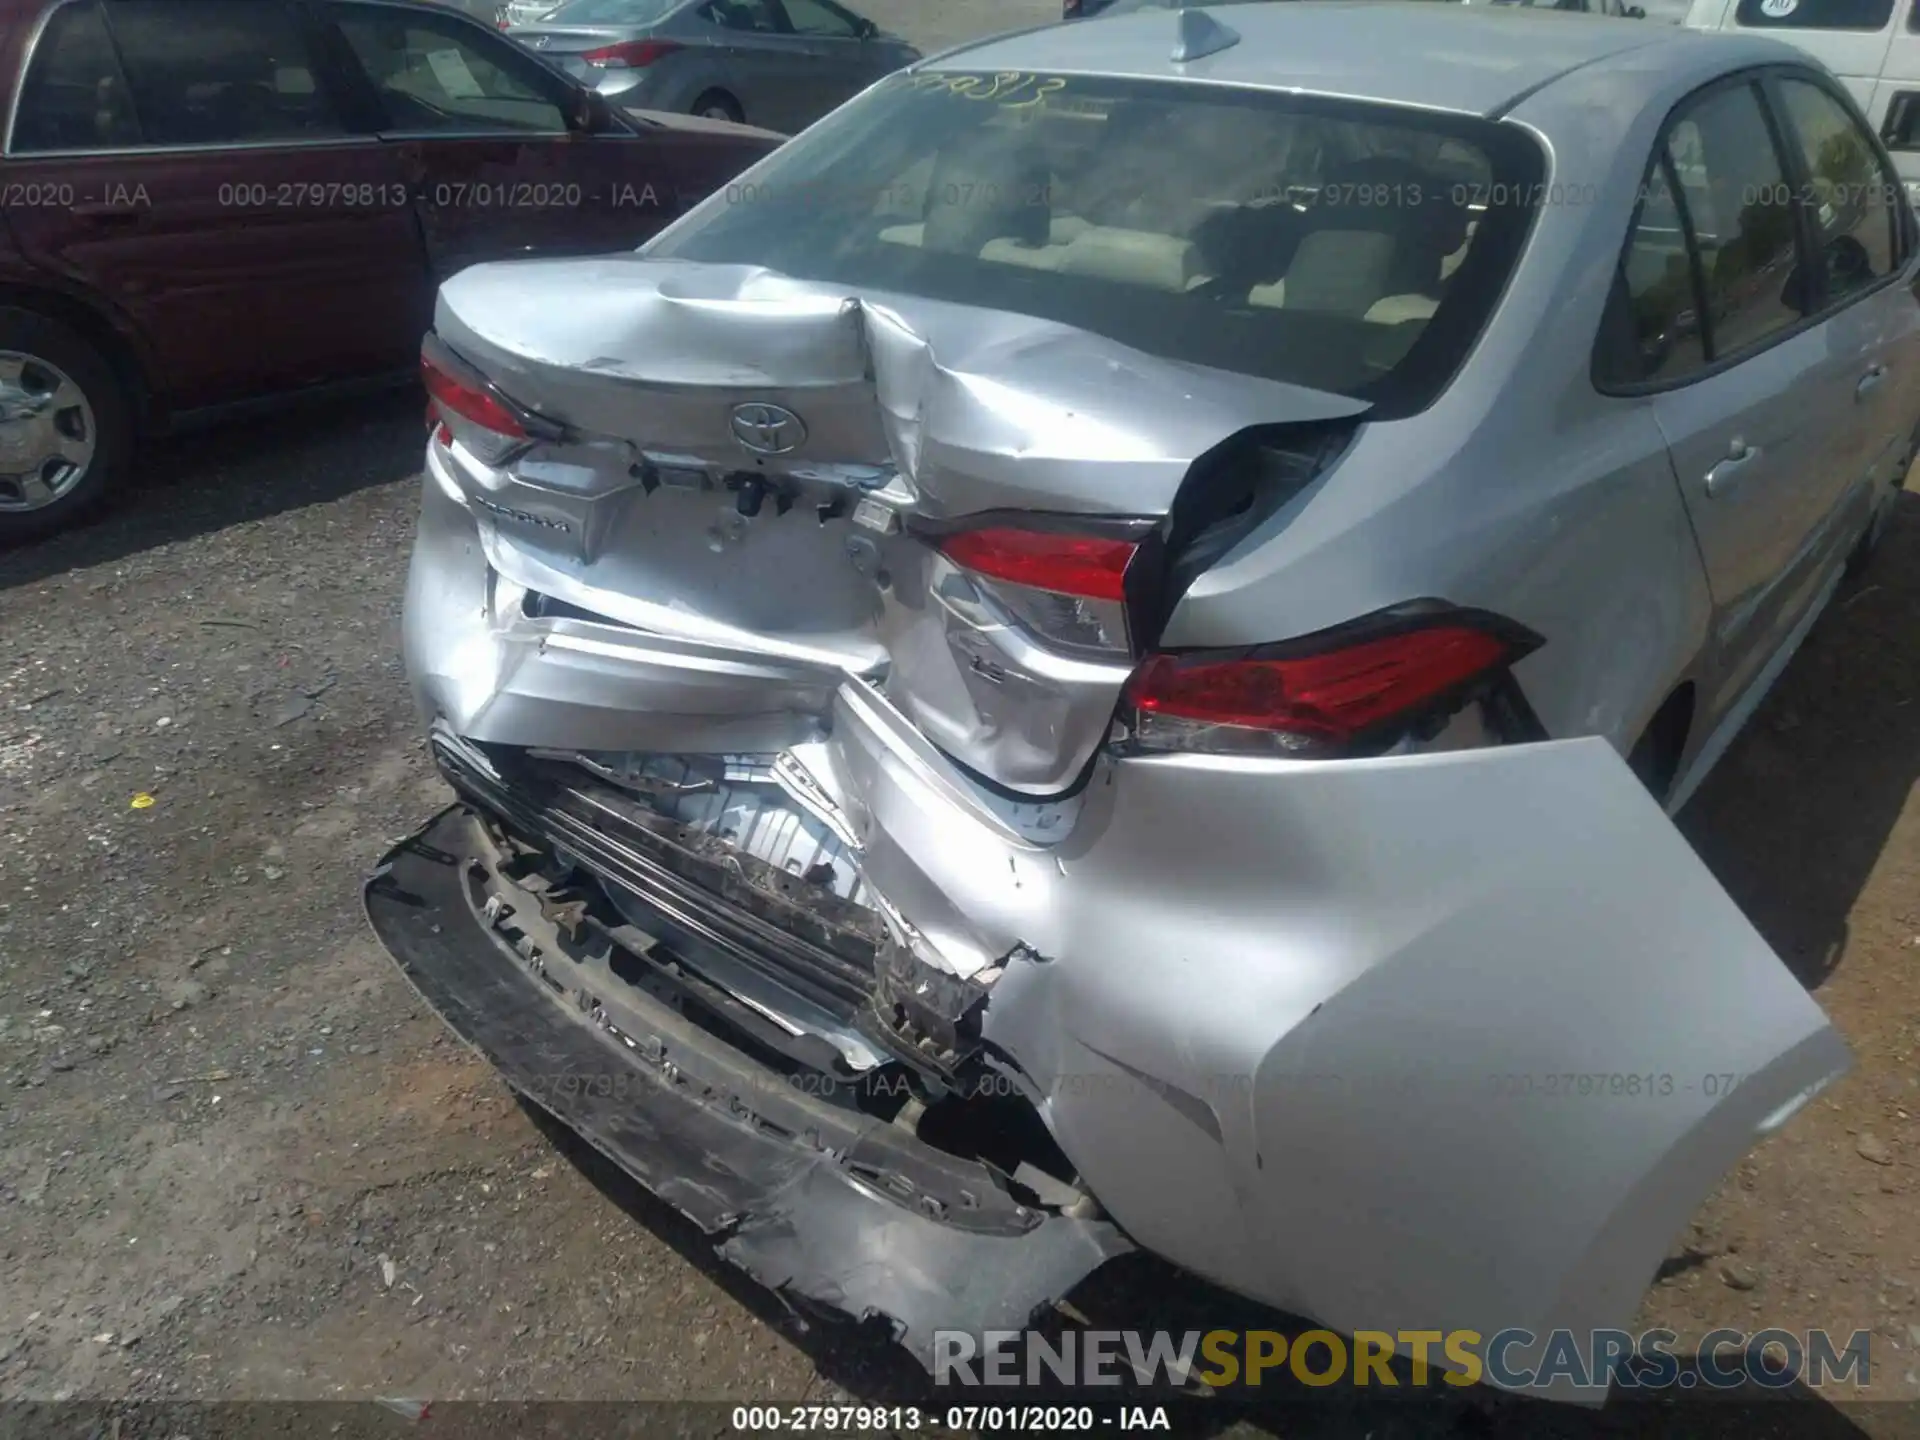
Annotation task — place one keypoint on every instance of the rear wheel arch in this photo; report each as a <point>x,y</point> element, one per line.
<point>113,340</point>
<point>717,99</point>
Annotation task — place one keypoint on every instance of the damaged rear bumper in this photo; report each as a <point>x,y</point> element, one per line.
<point>814,1199</point>
<point>1454,1041</point>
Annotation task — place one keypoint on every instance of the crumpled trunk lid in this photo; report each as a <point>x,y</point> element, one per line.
<point>751,462</point>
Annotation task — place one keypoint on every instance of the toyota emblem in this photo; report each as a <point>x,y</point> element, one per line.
<point>768,429</point>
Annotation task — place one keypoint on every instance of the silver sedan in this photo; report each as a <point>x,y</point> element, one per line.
<point>780,64</point>
<point>1097,655</point>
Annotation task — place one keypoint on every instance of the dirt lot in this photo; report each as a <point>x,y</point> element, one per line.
<point>238,1161</point>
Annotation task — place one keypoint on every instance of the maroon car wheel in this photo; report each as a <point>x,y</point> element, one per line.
<point>64,432</point>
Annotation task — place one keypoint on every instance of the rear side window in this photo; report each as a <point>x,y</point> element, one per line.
<point>441,74</point>
<point>1736,194</point>
<point>1353,248</point>
<point>1815,14</point>
<point>818,18</point>
<point>220,72</point>
<point>1660,309</point>
<point>1717,187</point>
<point>754,16</point>
<point>75,96</point>
<point>1851,195</point>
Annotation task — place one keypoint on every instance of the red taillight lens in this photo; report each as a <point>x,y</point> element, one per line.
<point>456,397</point>
<point>630,54</point>
<point>1090,567</point>
<point>1318,701</point>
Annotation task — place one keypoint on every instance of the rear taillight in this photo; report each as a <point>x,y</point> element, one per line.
<point>629,54</point>
<point>1359,689</point>
<point>1088,566</point>
<point>1069,589</point>
<point>467,409</point>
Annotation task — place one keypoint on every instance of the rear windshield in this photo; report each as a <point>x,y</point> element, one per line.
<point>1352,248</point>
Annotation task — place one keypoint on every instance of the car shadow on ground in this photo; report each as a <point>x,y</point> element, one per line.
<point>1141,1293</point>
<point>1796,815</point>
<point>249,470</point>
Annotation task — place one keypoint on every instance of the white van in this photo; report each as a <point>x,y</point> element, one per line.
<point>1873,46</point>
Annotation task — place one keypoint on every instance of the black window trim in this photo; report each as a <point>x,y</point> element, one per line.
<point>1762,80</point>
<point>324,73</point>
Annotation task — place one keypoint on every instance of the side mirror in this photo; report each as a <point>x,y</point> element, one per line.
<point>591,114</point>
<point>866,29</point>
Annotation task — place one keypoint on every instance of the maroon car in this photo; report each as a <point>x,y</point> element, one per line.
<point>213,203</point>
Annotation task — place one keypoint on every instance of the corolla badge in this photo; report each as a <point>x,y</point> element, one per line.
<point>767,429</point>
<point>525,517</point>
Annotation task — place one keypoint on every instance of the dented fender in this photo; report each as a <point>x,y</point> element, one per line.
<point>1455,1041</point>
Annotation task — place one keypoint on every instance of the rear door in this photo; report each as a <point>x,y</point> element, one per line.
<point>1743,397</point>
<point>493,148</point>
<point>769,71</point>
<point>842,62</point>
<point>201,177</point>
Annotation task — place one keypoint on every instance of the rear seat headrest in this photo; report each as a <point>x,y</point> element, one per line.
<point>984,191</point>
<point>1401,197</point>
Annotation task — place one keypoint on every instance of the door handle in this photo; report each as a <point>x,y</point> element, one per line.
<point>1869,382</point>
<point>1722,477</point>
<point>108,211</point>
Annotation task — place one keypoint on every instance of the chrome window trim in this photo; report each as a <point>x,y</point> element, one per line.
<point>472,134</point>
<point>327,142</point>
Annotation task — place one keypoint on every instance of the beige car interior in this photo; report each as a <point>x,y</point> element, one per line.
<point>1382,264</point>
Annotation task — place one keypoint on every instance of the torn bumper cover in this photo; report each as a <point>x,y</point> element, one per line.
<point>1333,1080</point>
<point>813,1199</point>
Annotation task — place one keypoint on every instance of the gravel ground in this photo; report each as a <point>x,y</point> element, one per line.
<point>237,1160</point>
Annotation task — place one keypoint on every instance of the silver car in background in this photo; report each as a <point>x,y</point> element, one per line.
<point>779,64</point>
<point>1078,662</point>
